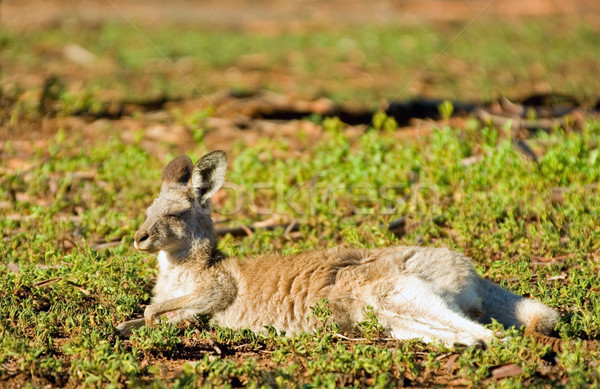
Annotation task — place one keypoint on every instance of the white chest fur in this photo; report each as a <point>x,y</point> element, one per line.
<point>173,280</point>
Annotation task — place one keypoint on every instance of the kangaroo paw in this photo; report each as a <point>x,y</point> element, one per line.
<point>556,344</point>
<point>126,327</point>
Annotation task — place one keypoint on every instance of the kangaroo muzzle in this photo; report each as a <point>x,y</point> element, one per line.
<point>141,239</point>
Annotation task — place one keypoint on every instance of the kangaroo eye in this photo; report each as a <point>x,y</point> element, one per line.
<point>177,214</point>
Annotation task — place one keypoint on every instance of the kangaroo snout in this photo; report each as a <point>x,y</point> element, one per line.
<point>140,237</point>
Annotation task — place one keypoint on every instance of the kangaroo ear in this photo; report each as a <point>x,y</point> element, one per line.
<point>208,175</point>
<point>178,170</point>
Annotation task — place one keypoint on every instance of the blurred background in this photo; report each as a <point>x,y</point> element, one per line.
<point>228,62</point>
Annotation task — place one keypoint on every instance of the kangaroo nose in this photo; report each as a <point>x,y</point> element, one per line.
<point>139,237</point>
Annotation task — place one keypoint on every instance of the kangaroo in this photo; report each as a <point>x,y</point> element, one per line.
<point>432,294</point>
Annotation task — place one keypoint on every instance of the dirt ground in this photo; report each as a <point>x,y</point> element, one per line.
<point>269,14</point>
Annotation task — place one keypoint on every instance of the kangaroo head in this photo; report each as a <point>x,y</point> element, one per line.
<point>178,221</point>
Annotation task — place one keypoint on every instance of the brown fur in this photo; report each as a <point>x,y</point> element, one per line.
<point>416,292</point>
<point>179,170</point>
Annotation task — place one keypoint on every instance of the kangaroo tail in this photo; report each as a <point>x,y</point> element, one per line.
<point>512,310</point>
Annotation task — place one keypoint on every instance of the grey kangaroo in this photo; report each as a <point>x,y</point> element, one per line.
<point>432,294</point>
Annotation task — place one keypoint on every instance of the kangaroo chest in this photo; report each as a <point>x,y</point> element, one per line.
<point>173,280</point>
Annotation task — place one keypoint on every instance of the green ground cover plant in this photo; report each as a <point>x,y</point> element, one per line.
<point>73,190</point>
<point>59,304</point>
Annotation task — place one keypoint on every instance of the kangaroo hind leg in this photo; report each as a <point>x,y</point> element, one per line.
<point>406,329</point>
<point>414,300</point>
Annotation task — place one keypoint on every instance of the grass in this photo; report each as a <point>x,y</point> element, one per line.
<point>500,211</point>
<point>365,65</point>
<point>70,208</point>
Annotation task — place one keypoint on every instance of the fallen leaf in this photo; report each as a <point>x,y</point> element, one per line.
<point>506,371</point>
<point>13,267</point>
<point>450,363</point>
<point>78,54</point>
<point>50,281</point>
